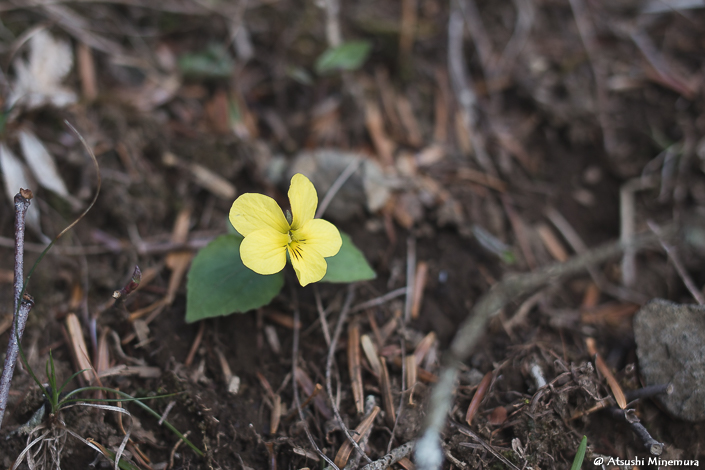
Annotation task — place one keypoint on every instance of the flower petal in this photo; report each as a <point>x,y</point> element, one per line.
<point>303,200</point>
<point>321,236</point>
<point>309,265</point>
<point>264,251</point>
<point>252,212</point>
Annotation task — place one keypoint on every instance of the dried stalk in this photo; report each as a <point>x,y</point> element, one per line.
<point>355,367</point>
<point>22,304</point>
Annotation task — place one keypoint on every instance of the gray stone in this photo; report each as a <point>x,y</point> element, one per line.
<point>670,340</point>
<point>368,188</point>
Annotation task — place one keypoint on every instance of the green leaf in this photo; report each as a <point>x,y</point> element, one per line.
<point>212,62</point>
<point>349,265</point>
<point>578,462</point>
<point>219,284</point>
<point>348,56</point>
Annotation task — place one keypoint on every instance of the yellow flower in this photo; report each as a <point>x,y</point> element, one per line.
<point>269,235</point>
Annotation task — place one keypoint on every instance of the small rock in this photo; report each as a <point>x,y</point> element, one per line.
<point>670,341</point>
<point>234,385</point>
<point>368,188</point>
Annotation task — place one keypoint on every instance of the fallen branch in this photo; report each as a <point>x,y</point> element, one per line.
<point>652,445</point>
<point>391,458</point>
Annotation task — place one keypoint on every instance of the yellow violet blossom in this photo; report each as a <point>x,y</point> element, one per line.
<point>269,235</point>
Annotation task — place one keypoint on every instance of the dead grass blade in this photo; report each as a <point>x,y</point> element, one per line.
<point>102,359</point>
<point>411,376</point>
<point>86,70</point>
<point>20,458</point>
<point>370,351</point>
<point>386,390</point>
<point>422,374</point>
<point>419,285</point>
<point>204,177</point>
<point>275,416</point>
<point>43,166</point>
<point>281,319</point>
<point>122,370</point>
<point>355,366</point>
<point>423,347</point>
<point>79,350</point>
<point>407,464</point>
<point>607,373</point>
<point>480,393</point>
<point>178,262</point>
<point>551,242</point>
<point>341,458</point>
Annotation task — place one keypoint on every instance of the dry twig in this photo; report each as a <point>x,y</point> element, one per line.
<point>22,305</point>
<point>654,447</point>
<point>391,458</point>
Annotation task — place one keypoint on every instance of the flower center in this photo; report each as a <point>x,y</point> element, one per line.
<point>295,245</point>
<point>293,237</point>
